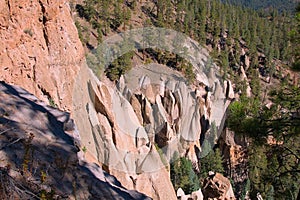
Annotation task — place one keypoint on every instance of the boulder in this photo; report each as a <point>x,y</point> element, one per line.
<point>217,186</point>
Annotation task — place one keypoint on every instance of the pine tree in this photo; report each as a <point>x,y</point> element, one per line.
<point>295,38</point>
<point>183,175</point>
<point>100,35</point>
<point>212,162</point>
<point>118,15</point>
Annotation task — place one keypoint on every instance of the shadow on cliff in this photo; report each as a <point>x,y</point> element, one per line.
<point>38,156</point>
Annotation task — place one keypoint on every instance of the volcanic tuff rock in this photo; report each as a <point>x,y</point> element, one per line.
<point>38,155</point>
<point>40,48</point>
<point>234,150</point>
<point>181,114</point>
<point>119,125</point>
<point>217,187</point>
<point>41,51</point>
<point>112,133</point>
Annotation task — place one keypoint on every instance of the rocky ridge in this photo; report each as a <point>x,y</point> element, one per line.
<point>40,157</point>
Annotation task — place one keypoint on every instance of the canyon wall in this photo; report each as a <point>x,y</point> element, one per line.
<point>39,48</point>
<point>40,51</point>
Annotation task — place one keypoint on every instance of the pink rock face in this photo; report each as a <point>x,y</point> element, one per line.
<point>40,48</point>
<point>218,187</point>
<point>113,136</point>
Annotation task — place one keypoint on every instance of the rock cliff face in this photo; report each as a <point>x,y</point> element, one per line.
<point>119,125</point>
<point>40,48</point>
<point>235,155</point>
<point>39,156</point>
<point>113,135</point>
<point>179,115</point>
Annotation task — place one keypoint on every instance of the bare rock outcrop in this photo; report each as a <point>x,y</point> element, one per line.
<point>217,186</point>
<point>181,114</point>
<point>113,134</point>
<point>234,150</point>
<point>40,48</point>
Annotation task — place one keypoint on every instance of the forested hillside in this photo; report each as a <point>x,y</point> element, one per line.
<point>267,5</point>
<point>224,28</point>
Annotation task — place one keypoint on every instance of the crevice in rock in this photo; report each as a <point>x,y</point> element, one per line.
<point>33,68</point>
<point>9,56</point>
<point>155,192</point>
<point>227,89</point>
<point>204,128</point>
<point>44,21</point>
<point>9,9</point>
<point>34,76</point>
<point>146,119</point>
<point>45,93</point>
<point>161,138</point>
<point>114,137</point>
<point>133,181</point>
<point>8,5</point>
